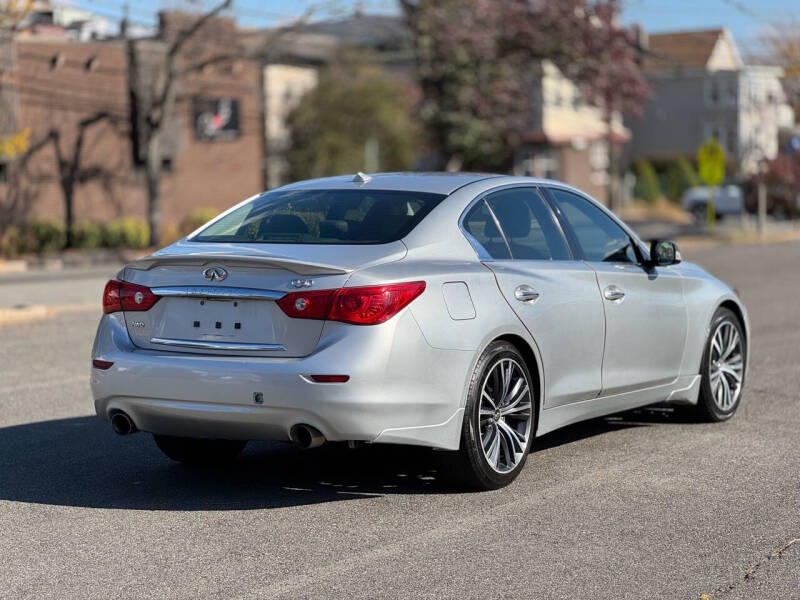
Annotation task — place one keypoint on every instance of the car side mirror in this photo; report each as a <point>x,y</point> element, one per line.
<point>663,253</point>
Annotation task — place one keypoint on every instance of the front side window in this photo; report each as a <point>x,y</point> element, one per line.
<point>599,237</point>
<point>323,217</point>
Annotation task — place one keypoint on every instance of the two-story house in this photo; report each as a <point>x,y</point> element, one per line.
<point>701,88</point>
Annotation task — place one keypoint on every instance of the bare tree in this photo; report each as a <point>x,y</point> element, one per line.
<point>782,46</point>
<point>152,108</point>
<point>71,169</point>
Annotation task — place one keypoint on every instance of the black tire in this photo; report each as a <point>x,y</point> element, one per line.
<point>194,451</point>
<point>708,409</point>
<point>469,467</point>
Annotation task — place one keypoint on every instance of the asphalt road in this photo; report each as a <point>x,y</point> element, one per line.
<point>642,505</point>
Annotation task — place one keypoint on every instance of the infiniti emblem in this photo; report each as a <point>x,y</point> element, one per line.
<point>215,273</point>
<point>302,283</point>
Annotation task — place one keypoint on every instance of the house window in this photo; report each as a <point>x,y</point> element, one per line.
<point>712,91</point>
<point>3,172</point>
<point>731,145</point>
<point>731,95</point>
<point>711,130</point>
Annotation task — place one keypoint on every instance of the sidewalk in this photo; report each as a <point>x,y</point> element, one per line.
<point>42,294</point>
<point>70,259</point>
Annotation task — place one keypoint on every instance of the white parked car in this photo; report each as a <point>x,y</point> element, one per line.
<point>728,200</point>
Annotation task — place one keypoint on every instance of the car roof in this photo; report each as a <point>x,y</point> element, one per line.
<point>417,181</point>
<point>436,183</point>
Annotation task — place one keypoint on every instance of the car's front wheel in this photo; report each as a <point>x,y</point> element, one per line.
<point>199,451</point>
<point>723,368</point>
<point>499,420</point>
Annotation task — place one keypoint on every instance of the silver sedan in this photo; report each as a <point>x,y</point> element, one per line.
<point>469,313</point>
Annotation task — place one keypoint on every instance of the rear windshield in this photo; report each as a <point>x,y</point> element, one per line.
<point>323,217</point>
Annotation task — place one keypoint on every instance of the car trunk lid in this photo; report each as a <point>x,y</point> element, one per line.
<point>221,298</point>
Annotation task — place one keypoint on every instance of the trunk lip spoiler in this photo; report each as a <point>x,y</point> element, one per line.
<point>296,266</point>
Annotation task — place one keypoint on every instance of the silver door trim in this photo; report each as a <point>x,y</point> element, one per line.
<point>240,346</point>
<point>204,291</point>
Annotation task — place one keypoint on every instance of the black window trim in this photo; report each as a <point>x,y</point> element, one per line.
<point>483,255</point>
<point>577,250</point>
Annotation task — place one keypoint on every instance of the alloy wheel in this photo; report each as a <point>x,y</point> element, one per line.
<point>505,415</point>
<point>726,365</point>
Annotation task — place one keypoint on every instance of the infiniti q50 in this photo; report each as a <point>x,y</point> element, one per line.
<point>468,313</point>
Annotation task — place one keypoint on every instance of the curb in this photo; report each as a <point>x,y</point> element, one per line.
<point>68,259</point>
<point>13,266</point>
<point>39,312</point>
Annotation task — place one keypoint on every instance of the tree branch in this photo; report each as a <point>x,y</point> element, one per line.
<point>186,34</point>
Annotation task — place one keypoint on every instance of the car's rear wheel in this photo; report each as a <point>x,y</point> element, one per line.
<point>723,368</point>
<point>199,451</point>
<point>499,420</point>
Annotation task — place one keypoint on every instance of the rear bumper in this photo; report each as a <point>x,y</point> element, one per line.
<point>401,390</point>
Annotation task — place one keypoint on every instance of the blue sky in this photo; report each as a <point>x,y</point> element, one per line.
<point>745,18</point>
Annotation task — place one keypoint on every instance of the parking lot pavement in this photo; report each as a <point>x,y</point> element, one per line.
<point>641,505</point>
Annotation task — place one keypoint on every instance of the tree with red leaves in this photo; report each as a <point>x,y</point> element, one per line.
<point>474,61</point>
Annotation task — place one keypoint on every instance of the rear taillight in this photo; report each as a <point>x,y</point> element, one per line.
<point>121,295</point>
<point>357,305</point>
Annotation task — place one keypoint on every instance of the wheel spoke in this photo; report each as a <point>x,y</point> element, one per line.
<point>732,344</point>
<point>494,449</point>
<point>505,445</point>
<point>518,392</point>
<point>485,395</point>
<point>513,392</point>
<point>488,436</point>
<point>715,345</point>
<point>727,370</point>
<point>505,373</point>
<point>520,409</point>
<point>516,439</point>
<point>726,398</point>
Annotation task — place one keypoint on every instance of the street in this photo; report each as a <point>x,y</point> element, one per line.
<point>640,505</point>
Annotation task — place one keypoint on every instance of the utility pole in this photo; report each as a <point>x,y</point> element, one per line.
<point>263,84</point>
<point>762,201</point>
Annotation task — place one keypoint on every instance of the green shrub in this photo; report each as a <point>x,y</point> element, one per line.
<point>197,218</point>
<point>10,242</point>
<point>43,236</point>
<point>647,187</point>
<point>679,176</point>
<point>87,234</point>
<point>127,232</point>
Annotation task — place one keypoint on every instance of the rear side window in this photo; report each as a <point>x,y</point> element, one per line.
<point>481,226</point>
<point>323,217</point>
<point>529,225</point>
<point>600,238</point>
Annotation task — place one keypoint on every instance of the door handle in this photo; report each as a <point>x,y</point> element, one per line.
<point>613,293</point>
<point>525,293</point>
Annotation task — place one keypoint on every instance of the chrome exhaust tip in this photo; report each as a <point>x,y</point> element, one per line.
<point>307,436</point>
<point>122,424</point>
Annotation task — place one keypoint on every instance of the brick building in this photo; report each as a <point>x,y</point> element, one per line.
<point>74,97</point>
